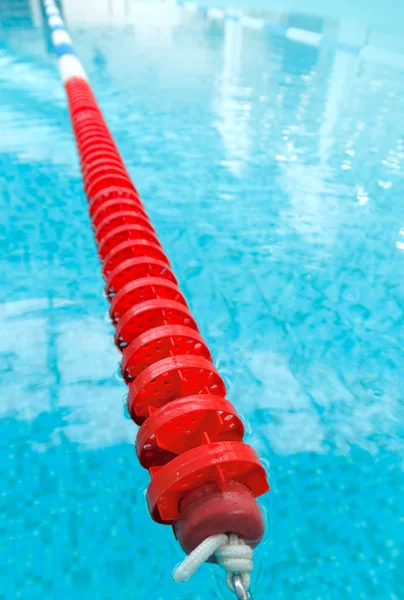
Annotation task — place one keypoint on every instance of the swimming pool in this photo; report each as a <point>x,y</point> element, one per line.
<point>272,172</point>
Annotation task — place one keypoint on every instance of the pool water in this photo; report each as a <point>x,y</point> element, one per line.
<point>273,174</point>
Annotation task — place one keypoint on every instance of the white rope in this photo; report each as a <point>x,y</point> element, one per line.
<point>232,554</point>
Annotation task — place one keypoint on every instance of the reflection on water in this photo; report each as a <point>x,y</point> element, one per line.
<point>61,360</point>
<point>232,107</point>
<point>272,172</point>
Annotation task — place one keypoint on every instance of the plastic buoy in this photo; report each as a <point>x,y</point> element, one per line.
<point>197,416</point>
<point>149,315</point>
<point>216,463</point>
<point>120,219</point>
<point>136,268</point>
<point>140,290</point>
<point>132,248</point>
<point>204,478</point>
<point>118,205</point>
<point>112,193</point>
<point>158,343</point>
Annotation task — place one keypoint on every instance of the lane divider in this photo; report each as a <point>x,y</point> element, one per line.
<point>204,477</point>
<point>302,36</point>
<point>298,35</point>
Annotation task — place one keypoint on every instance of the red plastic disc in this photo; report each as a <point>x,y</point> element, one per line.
<point>80,100</point>
<point>103,144</point>
<point>119,219</point>
<point>109,181</point>
<point>92,143</point>
<point>147,288</point>
<point>183,424</point>
<point>216,462</point>
<point>93,177</point>
<point>94,123</point>
<point>136,268</point>
<point>111,207</point>
<point>76,85</point>
<point>96,155</point>
<point>85,155</point>
<point>99,202</point>
<point>158,343</point>
<point>77,88</point>
<point>132,249</point>
<point>94,139</point>
<point>85,116</point>
<point>112,193</point>
<point>125,233</point>
<point>88,123</point>
<point>98,170</point>
<point>101,160</point>
<point>96,158</point>
<point>173,378</point>
<point>150,314</point>
<point>90,147</point>
<point>95,132</point>
<point>77,105</point>
<point>95,144</point>
<point>92,133</point>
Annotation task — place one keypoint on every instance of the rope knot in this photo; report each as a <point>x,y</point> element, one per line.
<point>232,554</point>
<point>235,557</point>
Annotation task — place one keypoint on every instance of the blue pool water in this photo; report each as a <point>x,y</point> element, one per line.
<point>273,174</point>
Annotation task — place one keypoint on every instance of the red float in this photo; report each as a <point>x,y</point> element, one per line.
<point>132,248</point>
<point>124,233</point>
<point>196,416</point>
<point>204,478</point>
<point>172,378</point>
<point>158,343</point>
<point>133,269</point>
<point>116,206</point>
<point>112,193</point>
<point>119,219</point>
<point>139,290</point>
<point>148,315</point>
